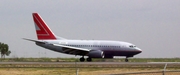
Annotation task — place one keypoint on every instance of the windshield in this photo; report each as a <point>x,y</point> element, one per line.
<point>132,46</point>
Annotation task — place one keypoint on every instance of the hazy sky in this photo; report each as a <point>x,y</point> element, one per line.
<point>152,25</point>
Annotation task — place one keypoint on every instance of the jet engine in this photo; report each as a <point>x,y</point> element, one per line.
<point>96,54</point>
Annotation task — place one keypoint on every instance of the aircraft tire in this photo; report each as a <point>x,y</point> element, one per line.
<point>82,59</point>
<point>126,60</point>
<point>89,59</point>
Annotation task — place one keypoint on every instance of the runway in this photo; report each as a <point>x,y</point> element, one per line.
<point>89,64</point>
<point>95,63</point>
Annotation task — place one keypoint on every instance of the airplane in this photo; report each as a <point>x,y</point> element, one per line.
<point>90,48</point>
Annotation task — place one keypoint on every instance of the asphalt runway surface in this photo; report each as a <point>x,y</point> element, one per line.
<point>95,63</point>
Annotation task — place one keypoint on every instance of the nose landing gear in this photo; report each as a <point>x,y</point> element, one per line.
<point>126,60</point>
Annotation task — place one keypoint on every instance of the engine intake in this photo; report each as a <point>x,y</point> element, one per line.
<point>96,54</point>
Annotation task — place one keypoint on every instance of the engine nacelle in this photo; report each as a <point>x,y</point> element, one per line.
<point>96,54</point>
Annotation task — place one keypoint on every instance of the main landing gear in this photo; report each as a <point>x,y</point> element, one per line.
<point>89,59</point>
<point>82,59</point>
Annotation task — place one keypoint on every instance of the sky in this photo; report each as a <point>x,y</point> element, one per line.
<point>152,25</point>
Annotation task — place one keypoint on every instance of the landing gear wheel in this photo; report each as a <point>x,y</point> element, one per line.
<point>89,59</point>
<point>82,59</point>
<point>126,60</point>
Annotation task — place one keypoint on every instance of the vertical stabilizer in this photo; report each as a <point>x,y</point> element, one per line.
<point>42,30</point>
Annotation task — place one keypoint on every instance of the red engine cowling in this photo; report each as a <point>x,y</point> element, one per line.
<point>96,54</point>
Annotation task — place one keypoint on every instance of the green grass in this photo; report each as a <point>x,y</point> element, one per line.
<point>94,60</point>
<point>72,71</point>
<point>66,71</point>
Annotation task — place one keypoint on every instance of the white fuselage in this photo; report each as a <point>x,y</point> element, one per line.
<point>110,48</point>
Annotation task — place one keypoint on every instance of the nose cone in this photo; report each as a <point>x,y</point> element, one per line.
<point>138,50</point>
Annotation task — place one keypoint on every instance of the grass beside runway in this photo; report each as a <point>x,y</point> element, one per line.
<point>84,69</point>
<point>71,71</point>
<point>64,69</point>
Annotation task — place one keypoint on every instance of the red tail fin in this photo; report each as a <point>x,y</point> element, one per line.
<point>42,30</point>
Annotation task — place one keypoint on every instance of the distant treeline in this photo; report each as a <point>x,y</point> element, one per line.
<point>4,49</point>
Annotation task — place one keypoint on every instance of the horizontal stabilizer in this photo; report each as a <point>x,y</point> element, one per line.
<point>34,40</point>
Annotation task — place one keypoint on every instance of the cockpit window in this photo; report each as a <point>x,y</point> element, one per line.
<point>132,46</point>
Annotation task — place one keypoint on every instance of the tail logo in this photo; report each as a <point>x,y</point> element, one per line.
<point>42,30</point>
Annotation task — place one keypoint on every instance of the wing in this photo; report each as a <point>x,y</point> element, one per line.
<point>66,49</point>
<point>73,50</point>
